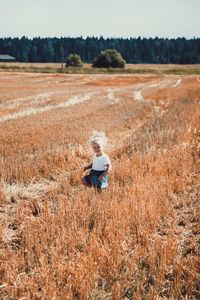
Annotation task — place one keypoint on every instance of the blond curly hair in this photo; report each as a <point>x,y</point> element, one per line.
<point>98,137</point>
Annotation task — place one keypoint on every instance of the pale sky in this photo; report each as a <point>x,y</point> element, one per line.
<point>109,18</point>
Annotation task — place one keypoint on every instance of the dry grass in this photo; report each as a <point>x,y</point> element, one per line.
<point>88,69</point>
<point>139,239</point>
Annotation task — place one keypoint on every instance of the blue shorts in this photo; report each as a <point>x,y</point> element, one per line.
<point>92,179</point>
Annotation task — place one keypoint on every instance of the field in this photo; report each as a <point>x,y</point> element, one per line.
<point>139,239</point>
<point>87,69</point>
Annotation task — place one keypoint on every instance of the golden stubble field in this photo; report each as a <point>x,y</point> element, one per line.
<point>139,239</point>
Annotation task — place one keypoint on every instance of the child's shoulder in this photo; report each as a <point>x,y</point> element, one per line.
<point>104,154</point>
<point>106,157</point>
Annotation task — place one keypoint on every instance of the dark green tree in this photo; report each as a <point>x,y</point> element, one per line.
<point>73,60</point>
<point>109,58</point>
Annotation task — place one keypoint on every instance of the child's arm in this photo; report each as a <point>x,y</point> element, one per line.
<point>105,172</point>
<point>87,167</point>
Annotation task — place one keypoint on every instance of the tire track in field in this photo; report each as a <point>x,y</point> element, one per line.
<point>77,99</point>
<point>40,98</point>
<point>166,82</point>
<point>109,95</point>
<point>177,83</point>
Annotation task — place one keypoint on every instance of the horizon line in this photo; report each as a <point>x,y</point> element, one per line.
<point>101,36</point>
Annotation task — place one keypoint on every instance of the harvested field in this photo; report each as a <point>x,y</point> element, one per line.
<point>139,239</point>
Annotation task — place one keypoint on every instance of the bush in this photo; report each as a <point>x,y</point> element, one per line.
<point>109,58</point>
<point>73,60</point>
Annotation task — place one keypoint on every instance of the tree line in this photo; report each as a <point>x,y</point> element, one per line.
<point>133,50</point>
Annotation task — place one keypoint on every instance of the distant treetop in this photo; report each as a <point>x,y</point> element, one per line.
<point>73,60</point>
<point>109,58</point>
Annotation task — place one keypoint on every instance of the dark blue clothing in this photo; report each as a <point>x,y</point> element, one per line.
<point>92,179</point>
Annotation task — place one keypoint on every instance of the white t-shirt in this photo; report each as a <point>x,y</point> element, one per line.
<point>99,162</point>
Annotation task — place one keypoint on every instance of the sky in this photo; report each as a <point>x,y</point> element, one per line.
<point>107,18</point>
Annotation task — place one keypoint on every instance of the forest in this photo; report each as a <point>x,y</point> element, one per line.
<point>134,50</point>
